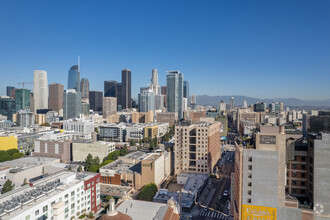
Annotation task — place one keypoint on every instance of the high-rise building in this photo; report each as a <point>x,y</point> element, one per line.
<point>110,89</point>
<point>109,106</point>
<point>71,104</point>
<point>85,107</point>
<point>164,93</point>
<point>40,90</point>
<point>245,105</point>
<point>275,107</point>
<point>260,107</point>
<point>186,89</point>
<point>232,103</point>
<point>193,100</point>
<point>74,78</point>
<point>146,100</point>
<point>192,155</point>
<point>55,100</point>
<point>154,82</point>
<point>22,99</point>
<point>174,83</point>
<point>96,100</point>
<point>10,90</point>
<point>7,107</point>
<point>84,88</point>
<point>126,98</point>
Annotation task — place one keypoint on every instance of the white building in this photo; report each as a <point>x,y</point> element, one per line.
<point>40,90</point>
<point>135,132</point>
<point>163,128</point>
<point>25,118</point>
<point>78,125</point>
<point>61,196</point>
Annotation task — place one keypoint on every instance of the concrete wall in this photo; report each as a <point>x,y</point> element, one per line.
<point>264,179</point>
<point>322,173</point>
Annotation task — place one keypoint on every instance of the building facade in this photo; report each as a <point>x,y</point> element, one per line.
<point>126,93</point>
<point>40,90</point>
<point>74,78</point>
<point>71,104</point>
<point>84,89</point>
<point>55,100</point>
<point>197,147</point>
<point>109,106</point>
<point>96,101</point>
<point>174,84</point>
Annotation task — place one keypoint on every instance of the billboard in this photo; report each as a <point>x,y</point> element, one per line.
<point>252,212</point>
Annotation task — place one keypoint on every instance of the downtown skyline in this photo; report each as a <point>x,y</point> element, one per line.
<point>265,50</point>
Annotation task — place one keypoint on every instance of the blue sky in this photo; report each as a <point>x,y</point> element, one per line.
<point>257,48</point>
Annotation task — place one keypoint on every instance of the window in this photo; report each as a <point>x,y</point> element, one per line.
<point>250,159</point>
<point>250,175</point>
<point>303,158</point>
<point>294,166</point>
<point>249,183</point>
<point>45,208</point>
<point>303,167</point>
<point>36,212</point>
<point>294,182</point>
<point>294,174</point>
<point>303,191</point>
<point>66,196</point>
<point>303,183</point>
<point>249,192</point>
<point>250,167</point>
<point>303,175</point>
<point>249,201</point>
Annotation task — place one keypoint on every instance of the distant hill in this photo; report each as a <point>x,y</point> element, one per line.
<point>214,101</point>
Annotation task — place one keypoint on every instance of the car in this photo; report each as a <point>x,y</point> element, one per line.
<point>225,194</point>
<point>231,161</point>
<point>219,197</point>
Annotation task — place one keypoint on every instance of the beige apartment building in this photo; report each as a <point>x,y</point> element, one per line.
<point>197,147</point>
<point>109,106</point>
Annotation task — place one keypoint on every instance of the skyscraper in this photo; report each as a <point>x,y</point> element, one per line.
<point>7,107</point>
<point>74,78</point>
<point>186,89</point>
<point>55,100</point>
<point>146,100</point>
<point>10,90</point>
<point>164,92</point>
<point>40,90</point>
<point>174,82</point>
<point>84,88</point>
<point>110,89</point>
<point>126,99</point>
<point>71,104</point>
<point>22,99</point>
<point>154,81</point>
<point>96,100</point>
<point>232,103</point>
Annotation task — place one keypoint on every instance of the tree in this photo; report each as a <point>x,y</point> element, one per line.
<point>17,155</point>
<point>8,186</point>
<point>123,151</point>
<point>96,161</point>
<point>166,137</point>
<point>45,124</point>
<point>88,162</point>
<point>132,143</point>
<point>96,130</point>
<point>79,169</point>
<point>24,182</point>
<point>153,143</point>
<point>148,192</point>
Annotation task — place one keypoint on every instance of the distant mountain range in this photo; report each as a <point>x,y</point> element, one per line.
<point>291,102</point>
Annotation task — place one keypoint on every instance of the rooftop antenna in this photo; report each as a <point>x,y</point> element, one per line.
<point>78,63</point>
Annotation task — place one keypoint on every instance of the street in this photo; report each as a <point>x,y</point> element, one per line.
<point>214,207</point>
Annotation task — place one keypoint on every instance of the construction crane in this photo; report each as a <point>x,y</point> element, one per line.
<point>23,83</point>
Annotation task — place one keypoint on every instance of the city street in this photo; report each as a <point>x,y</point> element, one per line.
<point>215,205</point>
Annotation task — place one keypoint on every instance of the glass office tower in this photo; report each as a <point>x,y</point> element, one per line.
<point>74,78</point>
<point>174,84</point>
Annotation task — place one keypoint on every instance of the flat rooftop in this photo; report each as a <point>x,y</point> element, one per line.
<point>136,155</point>
<point>27,162</point>
<point>142,210</point>
<point>26,197</point>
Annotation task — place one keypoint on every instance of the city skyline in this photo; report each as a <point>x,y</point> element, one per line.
<point>278,50</point>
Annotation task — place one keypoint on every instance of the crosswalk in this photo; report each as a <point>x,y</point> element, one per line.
<point>212,214</point>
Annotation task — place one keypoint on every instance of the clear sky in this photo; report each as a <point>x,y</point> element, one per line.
<point>257,48</point>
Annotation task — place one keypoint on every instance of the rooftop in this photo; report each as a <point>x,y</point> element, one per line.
<point>26,197</point>
<point>27,162</point>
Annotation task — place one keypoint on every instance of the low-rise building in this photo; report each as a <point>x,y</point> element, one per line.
<point>112,132</point>
<point>78,125</point>
<point>167,117</point>
<point>60,149</point>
